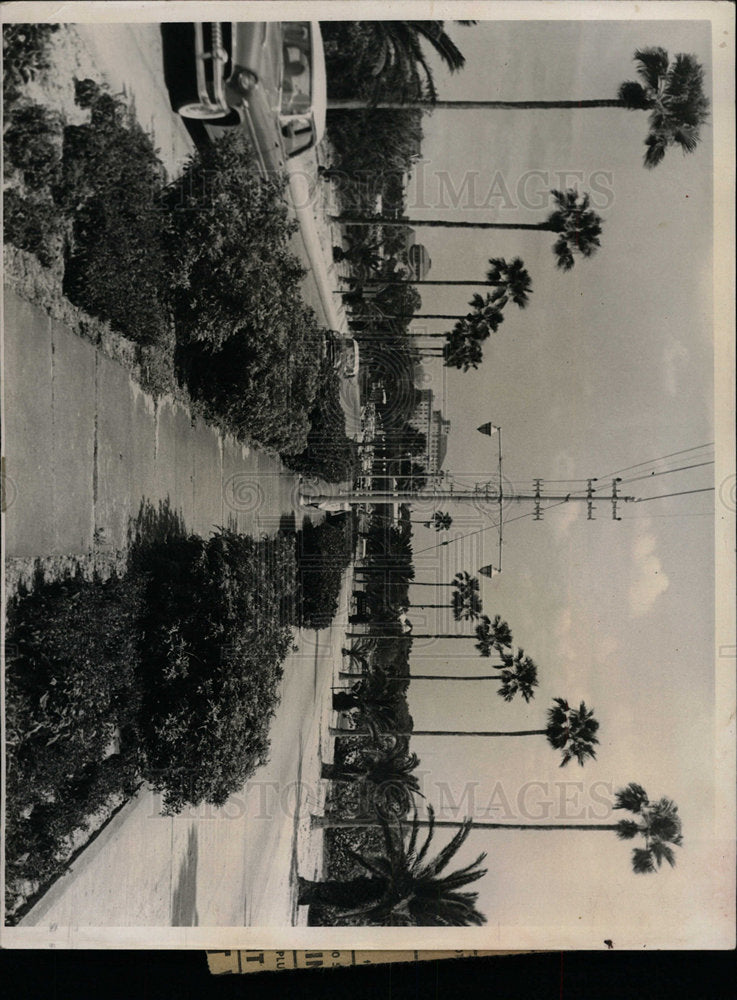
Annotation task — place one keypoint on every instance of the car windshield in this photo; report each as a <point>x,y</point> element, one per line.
<point>297,81</point>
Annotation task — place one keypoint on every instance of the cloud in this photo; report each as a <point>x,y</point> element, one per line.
<point>675,359</point>
<point>562,519</point>
<point>576,641</point>
<point>650,580</point>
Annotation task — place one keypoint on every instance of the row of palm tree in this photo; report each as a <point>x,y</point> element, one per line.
<point>405,885</point>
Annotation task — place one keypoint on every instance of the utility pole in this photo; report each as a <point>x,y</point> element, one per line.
<point>483,492</point>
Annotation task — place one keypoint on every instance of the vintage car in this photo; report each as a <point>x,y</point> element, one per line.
<point>267,77</point>
<point>343,353</point>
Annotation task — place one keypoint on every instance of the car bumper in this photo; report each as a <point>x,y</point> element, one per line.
<point>211,60</point>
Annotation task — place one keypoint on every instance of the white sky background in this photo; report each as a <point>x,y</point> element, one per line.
<point>610,365</point>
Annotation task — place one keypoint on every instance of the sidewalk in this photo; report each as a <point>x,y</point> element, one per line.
<point>85,446</point>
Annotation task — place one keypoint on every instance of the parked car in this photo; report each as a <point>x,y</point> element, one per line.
<point>267,77</point>
<point>344,354</point>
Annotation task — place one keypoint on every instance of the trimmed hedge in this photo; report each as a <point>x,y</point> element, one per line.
<point>329,453</point>
<point>323,553</point>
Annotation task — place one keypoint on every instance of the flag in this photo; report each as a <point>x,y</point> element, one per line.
<point>488,429</point>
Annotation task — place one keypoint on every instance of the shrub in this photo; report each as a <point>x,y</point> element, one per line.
<point>214,636</point>
<point>329,453</point>
<point>25,53</point>
<point>323,553</point>
<point>248,346</point>
<point>32,146</point>
<point>111,185</point>
<point>34,225</point>
<point>70,681</point>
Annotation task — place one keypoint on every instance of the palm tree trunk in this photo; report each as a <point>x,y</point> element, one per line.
<point>352,104</point>
<point>347,675</point>
<point>432,605</point>
<point>334,823</point>
<point>333,772</point>
<point>364,316</point>
<point>414,336</point>
<point>409,635</point>
<point>437,281</point>
<point>334,731</point>
<point>345,894</point>
<point>356,219</point>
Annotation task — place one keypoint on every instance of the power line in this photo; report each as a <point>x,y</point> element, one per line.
<point>662,458</point>
<point>666,472</point>
<point>683,493</point>
<point>488,527</point>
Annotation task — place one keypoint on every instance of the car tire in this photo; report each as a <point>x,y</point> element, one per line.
<point>194,111</point>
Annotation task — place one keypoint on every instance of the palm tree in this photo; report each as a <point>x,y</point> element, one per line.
<point>398,59</point>
<point>659,823</point>
<point>374,697</point>
<point>511,279</point>
<point>574,732</point>
<point>673,93</point>
<point>465,601</point>
<point>483,311</point>
<point>385,772</point>
<point>518,676</point>
<point>441,522</point>
<point>577,226</point>
<point>404,887</point>
<point>359,653</point>
<point>490,635</point>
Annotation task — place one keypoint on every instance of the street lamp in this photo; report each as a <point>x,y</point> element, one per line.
<point>490,429</point>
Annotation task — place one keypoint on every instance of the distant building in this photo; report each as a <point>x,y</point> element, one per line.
<point>436,429</point>
<point>419,261</point>
<point>418,258</point>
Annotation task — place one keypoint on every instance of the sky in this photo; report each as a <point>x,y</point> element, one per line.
<point>610,365</point>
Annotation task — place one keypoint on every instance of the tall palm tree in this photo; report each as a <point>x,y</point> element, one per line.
<point>673,93</point>
<point>489,635</point>
<point>484,312</point>
<point>511,279</point>
<point>518,676</point>
<point>577,226</point>
<point>574,734</point>
<point>404,886</point>
<point>466,599</point>
<point>658,822</point>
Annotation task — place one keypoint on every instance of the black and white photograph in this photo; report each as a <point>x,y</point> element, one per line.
<point>368,482</point>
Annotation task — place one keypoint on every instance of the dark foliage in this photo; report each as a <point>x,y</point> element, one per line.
<point>213,636</point>
<point>70,682</point>
<point>323,553</point>
<point>25,54</point>
<point>32,224</point>
<point>248,346</point>
<point>31,145</point>
<point>111,187</point>
<point>329,454</point>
